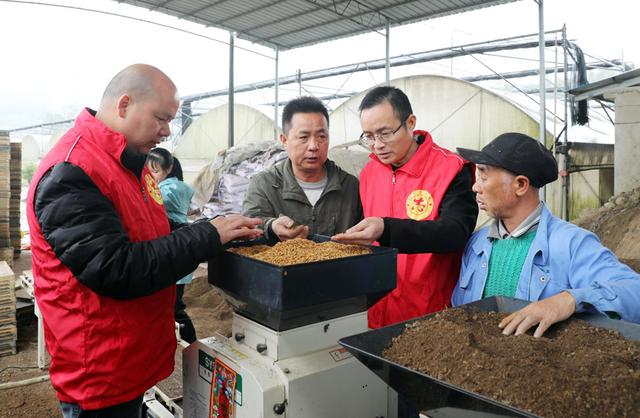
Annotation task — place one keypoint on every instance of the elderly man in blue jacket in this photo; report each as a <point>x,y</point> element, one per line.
<point>527,253</point>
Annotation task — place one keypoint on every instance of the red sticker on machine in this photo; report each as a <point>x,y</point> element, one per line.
<point>223,389</point>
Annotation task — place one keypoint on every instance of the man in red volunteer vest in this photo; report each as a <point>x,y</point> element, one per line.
<point>417,198</point>
<point>104,261</point>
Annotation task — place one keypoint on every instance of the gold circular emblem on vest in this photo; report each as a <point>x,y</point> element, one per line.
<point>419,205</point>
<point>153,189</point>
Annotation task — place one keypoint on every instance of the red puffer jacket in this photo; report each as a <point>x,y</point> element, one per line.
<point>104,350</point>
<point>413,191</point>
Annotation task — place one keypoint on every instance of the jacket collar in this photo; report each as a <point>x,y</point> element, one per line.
<point>133,161</point>
<point>418,161</point>
<point>540,244</point>
<point>291,188</point>
<point>112,142</point>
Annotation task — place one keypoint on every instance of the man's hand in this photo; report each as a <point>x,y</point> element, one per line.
<point>285,228</point>
<point>234,227</point>
<point>543,313</point>
<point>364,233</point>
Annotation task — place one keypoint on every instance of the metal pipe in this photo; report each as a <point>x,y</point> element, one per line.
<point>451,61</point>
<point>386,59</point>
<point>400,60</point>
<point>323,98</point>
<point>543,88</point>
<point>42,125</point>
<point>555,86</point>
<point>41,343</point>
<point>276,104</point>
<point>231,91</point>
<point>25,382</point>
<point>565,161</point>
<point>529,73</point>
<point>555,112</point>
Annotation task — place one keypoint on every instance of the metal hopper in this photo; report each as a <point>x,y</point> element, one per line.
<point>287,297</point>
<point>441,399</point>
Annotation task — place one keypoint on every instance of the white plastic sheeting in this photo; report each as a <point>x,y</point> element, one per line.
<point>221,186</point>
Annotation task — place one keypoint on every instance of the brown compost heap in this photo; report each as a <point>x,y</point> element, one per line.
<point>617,224</point>
<point>575,369</point>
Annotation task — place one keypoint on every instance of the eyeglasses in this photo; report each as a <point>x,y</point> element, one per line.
<point>383,136</point>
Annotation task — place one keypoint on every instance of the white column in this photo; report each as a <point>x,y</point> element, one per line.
<point>626,170</point>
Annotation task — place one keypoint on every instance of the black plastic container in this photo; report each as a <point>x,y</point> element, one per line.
<point>440,399</point>
<point>287,297</point>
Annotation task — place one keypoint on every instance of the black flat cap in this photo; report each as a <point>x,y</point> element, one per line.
<point>518,153</point>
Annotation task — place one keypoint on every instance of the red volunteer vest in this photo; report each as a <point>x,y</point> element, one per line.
<point>103,351</point>
<point>425,281</point>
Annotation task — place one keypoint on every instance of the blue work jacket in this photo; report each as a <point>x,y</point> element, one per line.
<point>562,257</point>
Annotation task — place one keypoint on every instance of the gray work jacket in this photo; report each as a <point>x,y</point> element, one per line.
<point>275,191</point>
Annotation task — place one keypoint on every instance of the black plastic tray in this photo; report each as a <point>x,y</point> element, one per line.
<point>287,297</point>
<point>440,399</point>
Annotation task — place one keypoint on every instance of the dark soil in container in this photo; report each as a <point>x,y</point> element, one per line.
<point>574,370</point>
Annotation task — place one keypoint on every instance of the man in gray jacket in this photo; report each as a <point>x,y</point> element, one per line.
<point>306,193</point>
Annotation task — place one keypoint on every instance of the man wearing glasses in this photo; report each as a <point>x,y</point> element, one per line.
<point>306,193</point>
<point>417,198</point>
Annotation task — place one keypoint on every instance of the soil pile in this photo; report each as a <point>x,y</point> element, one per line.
<point>574,370</point>
<point>617,223</point>
<point>206,306</point>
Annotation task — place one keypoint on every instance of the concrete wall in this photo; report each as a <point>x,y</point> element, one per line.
<point>627,151</point>
<point>589,189</point>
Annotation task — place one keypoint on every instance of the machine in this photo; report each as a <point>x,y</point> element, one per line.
<point>283,358</point>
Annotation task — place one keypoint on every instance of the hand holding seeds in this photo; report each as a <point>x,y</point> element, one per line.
<point>363,233</point>
<point>234,227</point>
<point>286,228</point>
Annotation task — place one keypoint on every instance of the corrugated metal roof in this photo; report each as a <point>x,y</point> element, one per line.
<point>294,23</point>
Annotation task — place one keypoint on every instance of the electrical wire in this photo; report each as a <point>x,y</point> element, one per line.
<point>137,19</point>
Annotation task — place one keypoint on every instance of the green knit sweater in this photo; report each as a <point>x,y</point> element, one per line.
<point>505,265</point>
